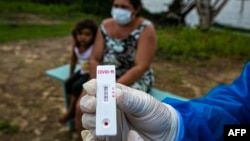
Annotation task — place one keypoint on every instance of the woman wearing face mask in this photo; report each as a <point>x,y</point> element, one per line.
<point>127,41</point>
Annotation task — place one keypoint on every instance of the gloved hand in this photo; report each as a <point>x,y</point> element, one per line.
<point>139,116</point>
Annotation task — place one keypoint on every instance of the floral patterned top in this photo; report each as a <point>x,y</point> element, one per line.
<point>121,53</point>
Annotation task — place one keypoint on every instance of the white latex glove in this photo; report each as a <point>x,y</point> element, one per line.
<point>139,116</point>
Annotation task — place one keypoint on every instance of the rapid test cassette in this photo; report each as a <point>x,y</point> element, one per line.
<point>106,124</point>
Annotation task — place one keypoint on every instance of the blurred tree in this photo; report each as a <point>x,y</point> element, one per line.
<point>178,10</point>
<point>208,10</point>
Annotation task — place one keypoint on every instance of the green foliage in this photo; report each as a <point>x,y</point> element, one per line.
<point>7,128</point>
<point>52,1</point>
<point>186,44</point>
<point>97,7</point>
<point>29,7</point>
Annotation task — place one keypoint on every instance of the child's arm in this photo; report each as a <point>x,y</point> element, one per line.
<point>73,62</point>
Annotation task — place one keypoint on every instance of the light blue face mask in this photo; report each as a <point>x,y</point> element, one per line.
<point>121,16</point>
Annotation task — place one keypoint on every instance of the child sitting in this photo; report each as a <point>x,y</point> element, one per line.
<point>83,34</point>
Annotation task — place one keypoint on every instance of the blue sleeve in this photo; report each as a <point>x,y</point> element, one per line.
<point>204,118</point>
<point>193,124</point>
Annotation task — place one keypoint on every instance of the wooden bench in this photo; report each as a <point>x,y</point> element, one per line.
<point>62,72</point>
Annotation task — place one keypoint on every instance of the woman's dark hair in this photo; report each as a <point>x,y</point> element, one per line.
<point>135,3</point>
<point>86,23</point>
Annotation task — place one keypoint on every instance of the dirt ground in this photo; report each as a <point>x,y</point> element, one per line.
<point>34,101</point>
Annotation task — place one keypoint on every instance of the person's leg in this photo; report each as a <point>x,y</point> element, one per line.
<point>70,85</point>
<point>71,110</point>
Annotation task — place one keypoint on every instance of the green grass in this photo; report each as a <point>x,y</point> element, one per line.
<point>185,43</point>
<point>173,42</point>
<point>12,29</point>
<point>11,33</point>
<point>7,128</point>
<point>14,25</point>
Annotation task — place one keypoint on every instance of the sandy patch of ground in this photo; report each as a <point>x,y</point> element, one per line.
<point>33,101</point>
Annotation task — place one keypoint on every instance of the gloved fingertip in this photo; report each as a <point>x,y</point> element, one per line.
<point>85,134</point>
<point>88,104</point>
<point>119,97</point>
<point>134,136</point>
<point>88,121</point>
<point>118,93</point>
<point>90,87</point>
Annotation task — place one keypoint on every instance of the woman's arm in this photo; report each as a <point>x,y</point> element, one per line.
<point>146,49</point>
<point>97,54</point>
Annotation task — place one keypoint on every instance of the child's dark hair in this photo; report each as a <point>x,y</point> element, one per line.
<point>86,23</point>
